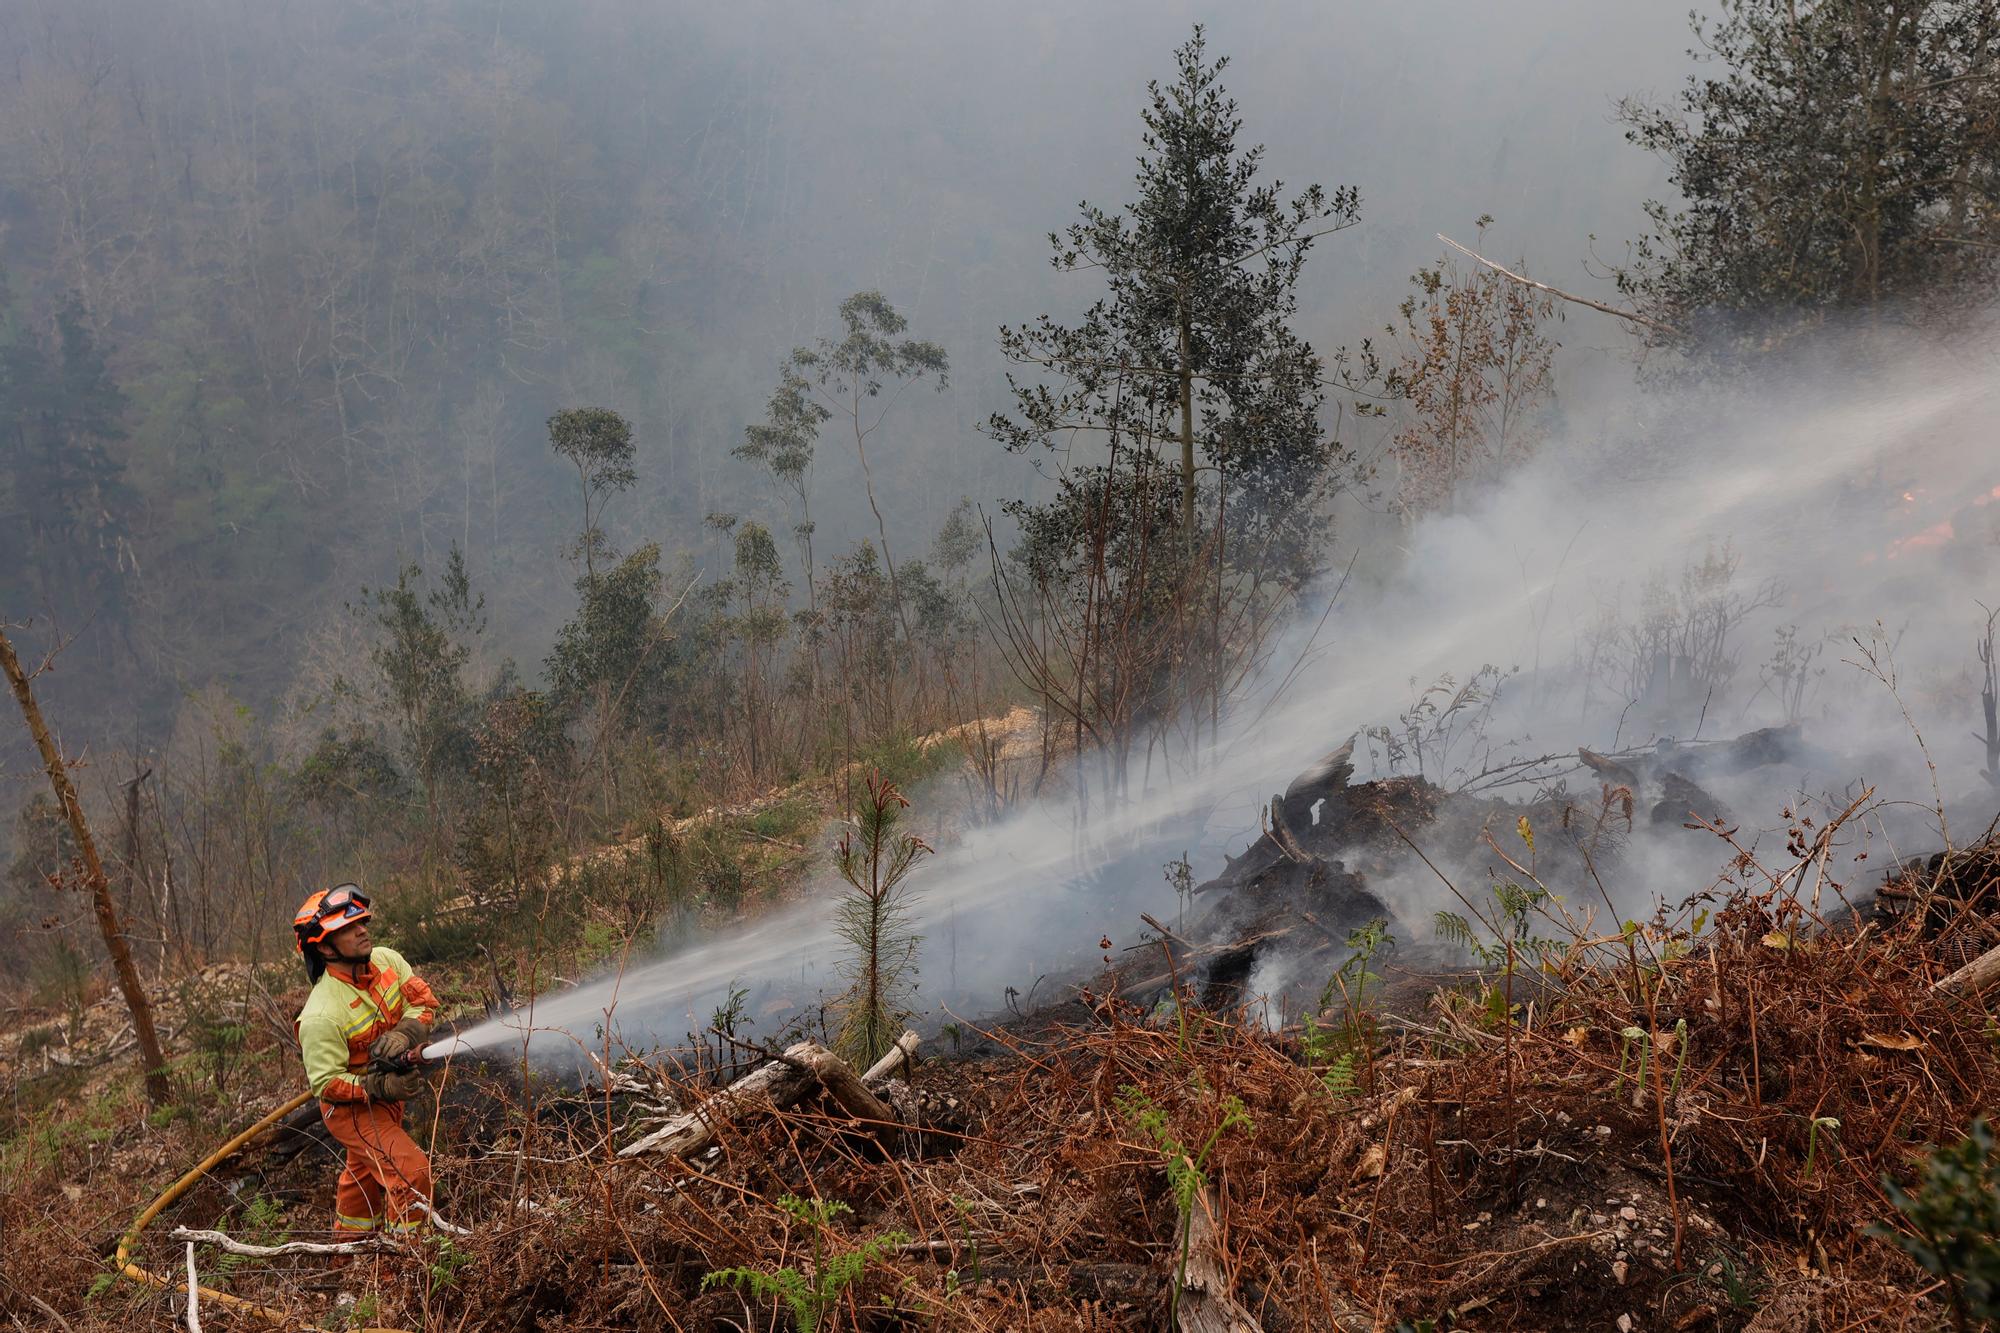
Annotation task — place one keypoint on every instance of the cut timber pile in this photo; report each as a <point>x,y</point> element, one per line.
<point>781,1083</point>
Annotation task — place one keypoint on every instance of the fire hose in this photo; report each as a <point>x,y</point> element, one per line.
<point>174,1191</point>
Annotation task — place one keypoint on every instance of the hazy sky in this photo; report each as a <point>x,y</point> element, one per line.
<point>928,143</point>
<point>928,150</point>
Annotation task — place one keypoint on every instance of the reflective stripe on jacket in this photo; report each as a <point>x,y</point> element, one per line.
<point>350,1007</point>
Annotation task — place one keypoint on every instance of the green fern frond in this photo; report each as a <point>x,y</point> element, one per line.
<point>1454,929</point>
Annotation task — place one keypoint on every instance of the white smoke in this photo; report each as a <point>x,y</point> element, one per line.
<point>1836,481</point>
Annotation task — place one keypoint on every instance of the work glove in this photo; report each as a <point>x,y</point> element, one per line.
<point>412,1031</point>
<point>387,1087</point>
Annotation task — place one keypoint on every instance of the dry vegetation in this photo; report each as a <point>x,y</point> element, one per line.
<point>1679,1134</point>
<point>1710,1122</point>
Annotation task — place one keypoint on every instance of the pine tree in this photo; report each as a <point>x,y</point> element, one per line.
<point>1187,414</point>
<point>1190,355</point>
<point>1847,155</point>
<point>874,920</point>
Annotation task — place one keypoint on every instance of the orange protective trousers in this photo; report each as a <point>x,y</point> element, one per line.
<point>387,1181</point>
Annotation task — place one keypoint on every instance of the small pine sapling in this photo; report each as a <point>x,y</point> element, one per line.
<point>874,920</point>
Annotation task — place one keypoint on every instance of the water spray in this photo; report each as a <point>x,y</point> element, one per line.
<point>1786,475</point>
<point>442,1049</point>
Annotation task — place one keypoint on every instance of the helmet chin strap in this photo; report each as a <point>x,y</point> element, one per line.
<point>362,961</point>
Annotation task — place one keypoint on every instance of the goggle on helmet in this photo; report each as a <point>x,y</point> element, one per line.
<point>327,911</point>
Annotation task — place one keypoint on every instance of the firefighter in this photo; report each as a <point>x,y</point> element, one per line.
<point>366,1005</point>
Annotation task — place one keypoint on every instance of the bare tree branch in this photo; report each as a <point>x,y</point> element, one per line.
<point>1559,292</point>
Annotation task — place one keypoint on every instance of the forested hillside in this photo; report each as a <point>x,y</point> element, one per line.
<point>290,290</point>
<point>1372,627</point>
<point>290,287</point>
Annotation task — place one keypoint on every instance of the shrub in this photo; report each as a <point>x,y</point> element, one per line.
<point>416,926</point>
<point>809,1297</point>
<point>1954,1223</point>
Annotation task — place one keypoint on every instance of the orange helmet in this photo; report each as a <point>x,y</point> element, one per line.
<point>329,910</point>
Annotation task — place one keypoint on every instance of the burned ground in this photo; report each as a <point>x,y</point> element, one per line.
<point>1637,1142</point>
<point>1658,1128</point>
<point>1554,1171</point>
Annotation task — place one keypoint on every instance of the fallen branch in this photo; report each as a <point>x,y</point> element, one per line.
<point>439,1222</point>
<point>1166,936</point>
<point>1974,977</point>
<point>1209,954</point>
<point>1557,291</point>
<point>46,1309</point>
<point>779,1084</point>
<point>948,1248</point>
<point>852,1095</point>
<point>1105,1283</point>
<point>230,1245</point>
<point>65,1060</point>
<point>194,1294</point>
<point>121,1044</point>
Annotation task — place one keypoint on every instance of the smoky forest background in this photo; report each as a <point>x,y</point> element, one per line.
<point>441,440</point>
<point>292,293</point>
<point>856,507</point>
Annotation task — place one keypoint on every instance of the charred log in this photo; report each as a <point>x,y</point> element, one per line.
<point>1681,800</point>
<point>783,1082</point>
<point>1327,776</point>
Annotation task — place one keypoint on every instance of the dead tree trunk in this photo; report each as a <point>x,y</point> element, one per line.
<point>1989,702</point>
<point>100,889</point>
<point>1207,1305</point>
<point>136,884</point>
<point>1207,1302</point>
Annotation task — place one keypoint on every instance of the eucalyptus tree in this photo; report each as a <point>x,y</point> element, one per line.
<point>756,592</point>
<point>597,442</point>
<point>859,378</point>
<point>783,443</point>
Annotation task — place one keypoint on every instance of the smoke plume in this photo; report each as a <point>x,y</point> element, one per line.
<point>1854,497</point>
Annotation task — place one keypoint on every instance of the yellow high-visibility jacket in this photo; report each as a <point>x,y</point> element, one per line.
<point>349,1007</point>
